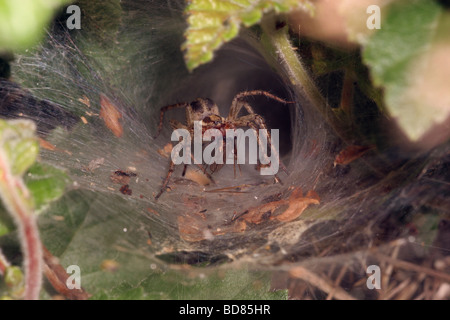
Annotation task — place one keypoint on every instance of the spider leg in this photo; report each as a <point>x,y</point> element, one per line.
<point>277,179</point>
<point>177,125</point>
<point>166,108</point>
<point>235,159</point>
<point>253,119</point>
<point>169,174</point>
<point>166,180</point>
<point>238,102</point>
<point>237,105</point>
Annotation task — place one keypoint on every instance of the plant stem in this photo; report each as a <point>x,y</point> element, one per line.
<point>278,48</point>
<point>16,199</point>
<point>3,264</point>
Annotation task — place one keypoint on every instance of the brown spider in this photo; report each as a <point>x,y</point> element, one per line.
<point>206,111</point>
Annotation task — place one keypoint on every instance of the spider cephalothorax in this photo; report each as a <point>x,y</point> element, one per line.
<point>206,112</point>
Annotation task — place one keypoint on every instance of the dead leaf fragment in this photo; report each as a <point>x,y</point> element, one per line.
<point>46,145</point>
<point>109,265</point>
<point>111,116</point>
<point>166,150</point>
<point>262,213</point>
<point>194,227</point>
<point>197,176</point>
<point>94,164</point>
<point>121,177</point>
<point>85,101</point>
<point>84,120</point>
<point>297,204</point>
<point>150,210</point>
<point>351,153</point>
<point>125,189</point>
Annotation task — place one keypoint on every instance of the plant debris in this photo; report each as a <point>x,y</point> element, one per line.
<point>95,164</point>
<point>122,177</point>
<point>194,227</point>
<point>125,189</point>
<point>166,151</point>
<point>111,116</point>
<point>351,153</point>
<point>294,206</point>
<point>197,176</point>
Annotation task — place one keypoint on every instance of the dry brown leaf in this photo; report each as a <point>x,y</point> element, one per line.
<point>297,204</point>
<point>351,153</point>
<point>111,116</point>
<point>262,213</point>
<point>46,145</point>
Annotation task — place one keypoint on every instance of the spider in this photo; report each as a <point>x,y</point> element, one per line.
<point>206,111</point>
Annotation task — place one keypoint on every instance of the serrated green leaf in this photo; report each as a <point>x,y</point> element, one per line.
<point>400,55</point>
<point>212,23</point>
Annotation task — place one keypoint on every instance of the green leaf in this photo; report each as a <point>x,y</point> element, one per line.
<point>228,285</point>
<point>402,59</point>
<point>14,280</point>
<point>80,230</point>
<point>212,23</point>
<point>4,229</point>
<point>19,144</point>
<point>22,23</point>
<point>46,183</point>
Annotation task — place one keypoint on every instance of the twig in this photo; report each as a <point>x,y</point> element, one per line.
<point>338,281</point>
<point>390,268</point>
<point>231,189</point>
<point>410,266</point>
<point>396,290</point>
<point>306,275</point>
<point>57,276</point>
